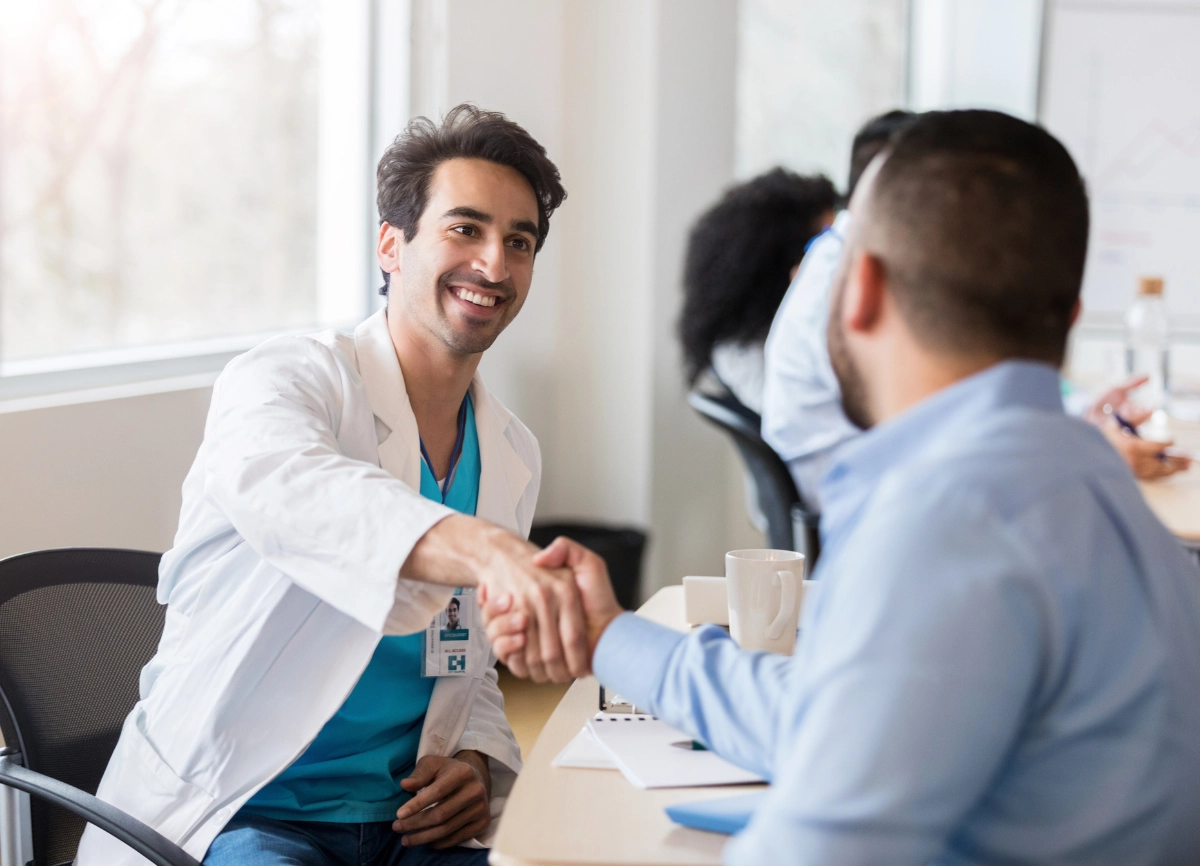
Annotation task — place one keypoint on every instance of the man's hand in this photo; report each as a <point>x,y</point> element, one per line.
<point>451,804</point>
<point>465,551</point>
<point>507,630</point>
<point>1116,400</point>
<point>1145,457</point>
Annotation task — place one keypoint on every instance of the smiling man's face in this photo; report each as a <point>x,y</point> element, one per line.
<point>466,273</point>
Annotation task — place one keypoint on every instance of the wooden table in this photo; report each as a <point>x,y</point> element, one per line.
<point>559,815</point>
<point>1176,500</point>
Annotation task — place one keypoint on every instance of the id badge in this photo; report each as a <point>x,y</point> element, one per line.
<point>453,638</point>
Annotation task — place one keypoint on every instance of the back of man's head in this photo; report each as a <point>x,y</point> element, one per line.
<point>872,138</point>
<point>981,222</point>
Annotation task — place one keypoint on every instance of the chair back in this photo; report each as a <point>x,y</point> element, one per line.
<point>790,525</point>
<point>76,628</point>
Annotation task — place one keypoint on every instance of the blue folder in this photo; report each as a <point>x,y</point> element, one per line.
<point>726,815</point>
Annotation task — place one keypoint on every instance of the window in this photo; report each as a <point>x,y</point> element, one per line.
<point>174,172</point>
<point>809,74</point>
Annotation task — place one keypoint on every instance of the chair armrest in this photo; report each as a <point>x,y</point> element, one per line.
<point>151,844</point>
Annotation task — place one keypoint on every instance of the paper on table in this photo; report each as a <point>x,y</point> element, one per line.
<point>645,751</point>
<point>585,753</point>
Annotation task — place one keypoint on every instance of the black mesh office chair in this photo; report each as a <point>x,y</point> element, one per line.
<point>790,525</point>
<point>76,627</point>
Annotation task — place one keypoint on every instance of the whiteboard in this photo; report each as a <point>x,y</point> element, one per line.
<point>1121,89</point>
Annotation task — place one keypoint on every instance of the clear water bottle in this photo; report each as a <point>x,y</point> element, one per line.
<point>1148,343</point>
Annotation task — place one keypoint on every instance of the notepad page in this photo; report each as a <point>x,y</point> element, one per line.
<point>645,750</point>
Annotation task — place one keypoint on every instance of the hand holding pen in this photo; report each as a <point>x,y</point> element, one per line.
<point>1118,417</point>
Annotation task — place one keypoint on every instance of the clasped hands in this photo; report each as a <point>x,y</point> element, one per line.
<point>547,628</point>
<point>544,609</point>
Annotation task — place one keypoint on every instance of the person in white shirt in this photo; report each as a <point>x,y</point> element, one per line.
<point>802,417</point>
<point>346,485</point>
<point>742,253</point>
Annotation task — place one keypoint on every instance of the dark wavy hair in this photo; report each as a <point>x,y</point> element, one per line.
<point>739,256</point>
<point>466,132</point>
<point>871,139</point>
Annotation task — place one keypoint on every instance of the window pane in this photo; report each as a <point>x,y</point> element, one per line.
<point>158,171</point>
<point>810,72</point>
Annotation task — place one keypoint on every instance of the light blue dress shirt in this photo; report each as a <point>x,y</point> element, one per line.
<point>1002,664</point>
<point>802,417</point>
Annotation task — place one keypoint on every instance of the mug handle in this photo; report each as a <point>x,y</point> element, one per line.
<point>786,604</point>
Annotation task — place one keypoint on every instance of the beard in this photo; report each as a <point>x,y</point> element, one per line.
<point>472,339</point>
<point>850,380</point>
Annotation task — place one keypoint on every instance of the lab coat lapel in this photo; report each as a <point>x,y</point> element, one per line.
<point>400,451</point>
<point>503,475</point>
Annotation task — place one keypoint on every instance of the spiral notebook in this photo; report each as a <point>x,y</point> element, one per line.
<point>652,754</point>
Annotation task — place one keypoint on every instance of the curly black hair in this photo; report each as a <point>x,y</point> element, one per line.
<point>739,257</point>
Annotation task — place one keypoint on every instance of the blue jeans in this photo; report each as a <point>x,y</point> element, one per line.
<point>250,840</point>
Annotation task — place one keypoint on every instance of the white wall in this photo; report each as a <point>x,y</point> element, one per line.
<point>97,474</point>
<point>693,161</point>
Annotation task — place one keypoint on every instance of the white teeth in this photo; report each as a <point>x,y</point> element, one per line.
<point>478,300</point>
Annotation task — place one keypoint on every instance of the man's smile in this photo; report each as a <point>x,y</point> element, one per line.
<point>477,298</point>
<point>480,303</point>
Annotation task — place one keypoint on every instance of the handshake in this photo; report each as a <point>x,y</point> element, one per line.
<point>544,609</point>
<point>545,619</point>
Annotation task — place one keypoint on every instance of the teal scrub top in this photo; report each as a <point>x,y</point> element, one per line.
<point>351,772</point>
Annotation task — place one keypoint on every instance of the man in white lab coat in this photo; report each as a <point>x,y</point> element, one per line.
<point>346,484</point>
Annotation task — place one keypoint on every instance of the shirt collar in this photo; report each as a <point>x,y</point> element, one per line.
<point>835,229</point>
<point>861,463</point>
<point>841,224</point>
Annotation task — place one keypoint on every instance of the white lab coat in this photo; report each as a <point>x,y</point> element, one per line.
<point>297,515</point>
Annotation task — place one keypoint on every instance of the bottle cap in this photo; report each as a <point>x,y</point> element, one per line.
<point>1150,286</point>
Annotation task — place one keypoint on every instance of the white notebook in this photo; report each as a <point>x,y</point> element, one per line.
<point>585,753</point>
<point>652,754</point>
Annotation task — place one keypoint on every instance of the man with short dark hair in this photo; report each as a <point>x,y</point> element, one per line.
<point>802,417</point>
<point>1001,664</point>
<point>346,484</point>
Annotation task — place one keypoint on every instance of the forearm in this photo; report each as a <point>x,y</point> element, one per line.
<point>702,683</point>
<point>457,549</point>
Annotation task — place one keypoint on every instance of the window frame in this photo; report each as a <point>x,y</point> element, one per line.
<point>361,105</point>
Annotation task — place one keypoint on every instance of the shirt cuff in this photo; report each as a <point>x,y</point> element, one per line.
<point>632,658</point>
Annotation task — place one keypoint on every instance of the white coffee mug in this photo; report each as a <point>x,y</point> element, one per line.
<point>766,589</point>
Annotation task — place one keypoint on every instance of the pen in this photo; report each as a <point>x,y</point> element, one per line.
<point>1129,428</point>
<point>690,745</point>
<point>1124,423</point>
